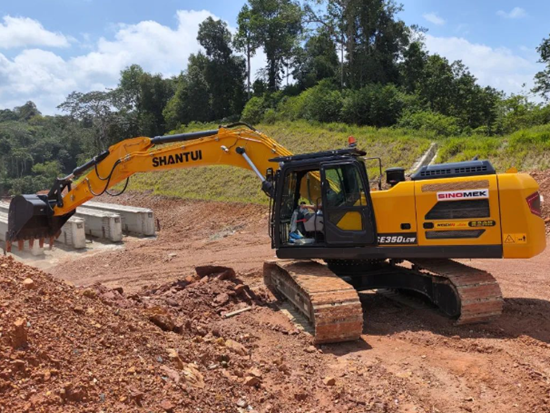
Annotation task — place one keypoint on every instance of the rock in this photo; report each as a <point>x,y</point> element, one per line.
<point>242,403</point>
<point>88,292</point>
<point>172,255</point>
<point>136,395</point>
<point>170,373</point>
<point>161,318</point>
<point>29,284</point>
<point>119,290</point>
<point>311,349</point>
<point>221,299</point>
<point>167,406</point>
<point>78,309</point>
<point>329,381</point>
<point>174,355</point>
<point>300,396</point>
<point>251,381</point>
<point>255,372</point>
<point>193,376</point>
<point>239,289</point>
<point>236,347</point>
<point>222,273</point>
<point>19,333</point>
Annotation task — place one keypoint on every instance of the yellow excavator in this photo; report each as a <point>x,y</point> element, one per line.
<point>333,234</point>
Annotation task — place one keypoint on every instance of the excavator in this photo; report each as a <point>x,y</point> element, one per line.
<point>335,233</point>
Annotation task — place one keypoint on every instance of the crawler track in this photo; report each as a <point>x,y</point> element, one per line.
<point>329,303</point>
<point>479,294</point>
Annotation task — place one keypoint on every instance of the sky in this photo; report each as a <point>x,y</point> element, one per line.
<point>50,48</point>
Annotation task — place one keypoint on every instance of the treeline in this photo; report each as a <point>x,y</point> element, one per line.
<point>351,61</point>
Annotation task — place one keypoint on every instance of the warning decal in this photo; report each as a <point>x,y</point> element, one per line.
<point>515,238</point>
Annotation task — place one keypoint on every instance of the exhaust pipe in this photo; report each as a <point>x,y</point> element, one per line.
<point>31,217</point>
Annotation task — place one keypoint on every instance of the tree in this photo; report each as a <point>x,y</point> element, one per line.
<point>542,78</point>
<point>191,101</point>
<point>227,90</point>
<point>316,61</point>
<point>140,99</point>
<point>27,111</point>
<point>370,34</point>
<point>246,41</point>
<point>276,24</point>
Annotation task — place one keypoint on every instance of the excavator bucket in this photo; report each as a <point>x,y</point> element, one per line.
<point>31,217</point>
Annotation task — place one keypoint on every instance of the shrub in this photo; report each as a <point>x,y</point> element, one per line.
<point>322,103</point>
<point>374,105</point>
<point>254,110</point>
<point>427,121</point>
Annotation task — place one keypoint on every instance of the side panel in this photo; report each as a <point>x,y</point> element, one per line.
<point>394,209</point>
<point>523,233</point>
<point>458,211</point>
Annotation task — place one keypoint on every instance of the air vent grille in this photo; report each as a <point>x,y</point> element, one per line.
<point>450,170</point>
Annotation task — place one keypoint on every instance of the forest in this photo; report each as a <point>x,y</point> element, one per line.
<point>351,62</point>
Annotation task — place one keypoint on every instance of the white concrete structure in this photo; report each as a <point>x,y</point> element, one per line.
<point>137,221</point>
<point>73,233</point>
<point>101,224</point>
<point>34,250</point>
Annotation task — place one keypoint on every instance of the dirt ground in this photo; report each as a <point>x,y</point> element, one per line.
<point>409,359</point>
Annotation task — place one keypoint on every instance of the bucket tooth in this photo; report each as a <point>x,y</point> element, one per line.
<point>51,241</point>
<point>41,242</point>
<point>31,242</point>
<point>20,244</point>
<point>8,246</point>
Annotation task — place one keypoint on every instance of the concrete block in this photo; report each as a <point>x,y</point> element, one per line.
<point>73,233</point>
<point>137,221</point>
<point>101,224</point>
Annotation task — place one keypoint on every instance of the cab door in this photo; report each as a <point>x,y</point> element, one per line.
<point>347,207</point>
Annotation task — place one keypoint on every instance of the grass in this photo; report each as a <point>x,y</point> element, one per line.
<point>526,149</point>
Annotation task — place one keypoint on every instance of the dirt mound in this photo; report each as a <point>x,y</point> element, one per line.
<point>168,348</point>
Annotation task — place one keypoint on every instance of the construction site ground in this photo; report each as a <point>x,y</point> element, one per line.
<point>134,328</point>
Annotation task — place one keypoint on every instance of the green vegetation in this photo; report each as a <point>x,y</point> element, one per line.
<point>333,68</point>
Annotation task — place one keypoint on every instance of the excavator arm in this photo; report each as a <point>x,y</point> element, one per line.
<point>42,216</point>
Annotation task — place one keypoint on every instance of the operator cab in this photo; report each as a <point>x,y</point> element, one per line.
<point>321,200</point>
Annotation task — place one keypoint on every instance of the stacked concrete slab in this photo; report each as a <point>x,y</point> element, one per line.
<point>136,221</point>
<point>101,224</point>
<point>73,233</point>
<point>34,249</point>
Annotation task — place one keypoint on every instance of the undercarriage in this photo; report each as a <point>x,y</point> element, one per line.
<point>327,294</point>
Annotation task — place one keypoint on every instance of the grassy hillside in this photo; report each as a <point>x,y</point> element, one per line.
<point>225,183</point>
<point>527,149</point>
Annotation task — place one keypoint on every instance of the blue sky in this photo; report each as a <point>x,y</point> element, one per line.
<point>50,48</point>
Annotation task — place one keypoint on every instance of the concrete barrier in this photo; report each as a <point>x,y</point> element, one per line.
<point>101,224</point>
<point>35,249</point>
<point>137,221</point>
<point>73,233</point>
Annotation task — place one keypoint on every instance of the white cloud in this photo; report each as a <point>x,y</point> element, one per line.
<point>18,32</point>
<point>434,18</point>
<point>515,13</point>
<point>46,78</point>
<point>497,67</point>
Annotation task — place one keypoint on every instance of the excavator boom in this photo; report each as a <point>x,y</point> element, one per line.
<point>42,216</point>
